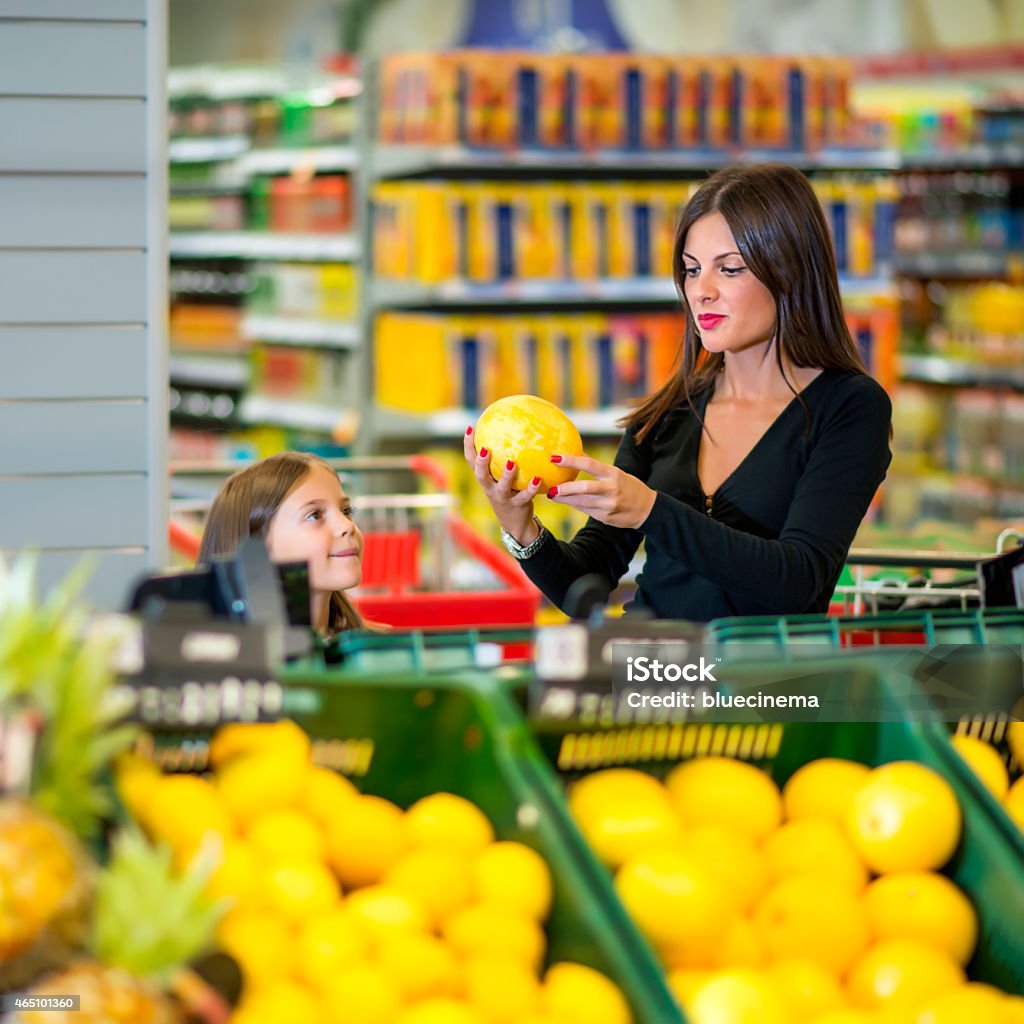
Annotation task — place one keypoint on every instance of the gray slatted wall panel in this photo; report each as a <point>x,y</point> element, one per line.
<point>82,293</point>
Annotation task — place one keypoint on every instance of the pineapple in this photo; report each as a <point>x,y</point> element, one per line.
<point>116,935</point>
<point>148,922</point>
<point>55,684</point>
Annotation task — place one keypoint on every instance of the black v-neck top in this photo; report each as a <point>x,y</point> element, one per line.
<point>771,540</point>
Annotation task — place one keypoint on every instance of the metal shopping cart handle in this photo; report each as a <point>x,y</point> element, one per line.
<point>912,559</point>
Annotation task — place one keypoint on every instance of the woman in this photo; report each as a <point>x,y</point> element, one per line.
<point>746,474</point>
<point>296,503</point>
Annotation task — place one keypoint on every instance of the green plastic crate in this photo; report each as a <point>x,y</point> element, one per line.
<point>791,633</point>
<point>404,738</point>
<point>420,653</point>
<point>987,865</point>
<point>995,675</point>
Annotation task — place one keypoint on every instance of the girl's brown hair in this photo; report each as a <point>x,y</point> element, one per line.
<point>781,232</point>
<point>245,506</point>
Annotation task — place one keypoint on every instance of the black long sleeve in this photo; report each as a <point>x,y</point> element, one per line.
<point>781,524</point>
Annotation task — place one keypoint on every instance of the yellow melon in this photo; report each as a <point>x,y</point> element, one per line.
<point>528,430</point>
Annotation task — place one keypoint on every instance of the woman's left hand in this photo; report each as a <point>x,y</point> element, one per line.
<point>612,497</point>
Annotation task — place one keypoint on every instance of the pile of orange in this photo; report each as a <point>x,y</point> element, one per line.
<point>987,763</point>
<point>822,903</point>
<point>346,907</point>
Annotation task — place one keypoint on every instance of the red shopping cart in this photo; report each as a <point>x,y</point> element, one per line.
<point>416,545</point>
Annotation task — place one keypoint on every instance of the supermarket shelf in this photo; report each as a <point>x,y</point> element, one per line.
<point>295,331</point>
<point>392,160</point>
<point>264,410</point>
<point>452,423</point>
<point>1007,155</point>
<point>209,150</point>
<point>967,263</point>
<point>229,372</point>
<point>403,293</point>
<point>284,160</point>
<point>264,245</point>
<point>394,294</point>
<point>940,370</point>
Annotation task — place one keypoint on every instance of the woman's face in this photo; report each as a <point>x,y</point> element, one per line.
<point>733,310</point>
<point>314,525</point>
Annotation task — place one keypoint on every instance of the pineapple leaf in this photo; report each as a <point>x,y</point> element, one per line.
<point>51,662</point>
<point>147,920</point>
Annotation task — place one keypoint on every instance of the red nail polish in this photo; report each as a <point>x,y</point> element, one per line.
<point>469,430</point>
<point>556,458</point>
<point>552,492</point>
<point>484,453</point>
<point>510,464</point>
<point>535,481</point>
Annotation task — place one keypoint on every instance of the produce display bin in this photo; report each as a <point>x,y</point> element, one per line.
<point>987,865</point>
<point>790,633</point>
<point>404,738</point>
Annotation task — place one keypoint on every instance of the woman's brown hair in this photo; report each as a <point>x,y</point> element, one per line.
<point>783,237</point>
<point>245,506</point>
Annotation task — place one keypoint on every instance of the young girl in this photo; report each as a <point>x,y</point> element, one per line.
<point>748,472</point>
<point>296,503</point>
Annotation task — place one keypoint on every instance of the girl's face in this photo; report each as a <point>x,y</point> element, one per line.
<point>314,524</point>
<point>733,310</point>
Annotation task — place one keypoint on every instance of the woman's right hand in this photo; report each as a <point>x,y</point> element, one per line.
<point>513,509</point>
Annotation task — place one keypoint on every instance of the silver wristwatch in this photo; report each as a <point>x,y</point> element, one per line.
<point>520,551</point>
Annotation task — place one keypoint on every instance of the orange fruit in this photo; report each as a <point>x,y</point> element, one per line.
<point>448,822</point>
<point>420,965</point>
<point>906,817</point>
<point>256,939</point>
<point>240,738</point>
<point>806,988</point>
<point>817,918</point>
<point>925,906</point>
<point>845,1016</point>
<point>983,759</point>
<point>513,875</point>
<point>502,988</point>
<point>623,812</point>
<point>577,994</point>
<point>685,982</point>
<point>279,1000</point>
<point>253,784</point>
<point>383,912</point>
<point>741,946</point>
<point>359,994</point>
<point>325,795</point>
<point>528,430</point>
<point>678,903</point>
<point>1014,803</point>
<point>486,928</point>
<point>439,1011</point>
<point>182,810</point>
<point>239,875</point>
<point>823,789</point>
<point>365,839</point>
<point>1015,739</point>
<point>441,881</point>
<point>731,857</point>
<point>901,973</point>
<point>327,945</point>
<point>970,1003</point>
<point>286,834</point>
<point>738,997</point>
<point>814,846</point>
<point>300,890</point>
<point>726,792</point>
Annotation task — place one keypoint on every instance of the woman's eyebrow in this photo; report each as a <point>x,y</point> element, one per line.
<point>720,256</point>
<point>313,501</point>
